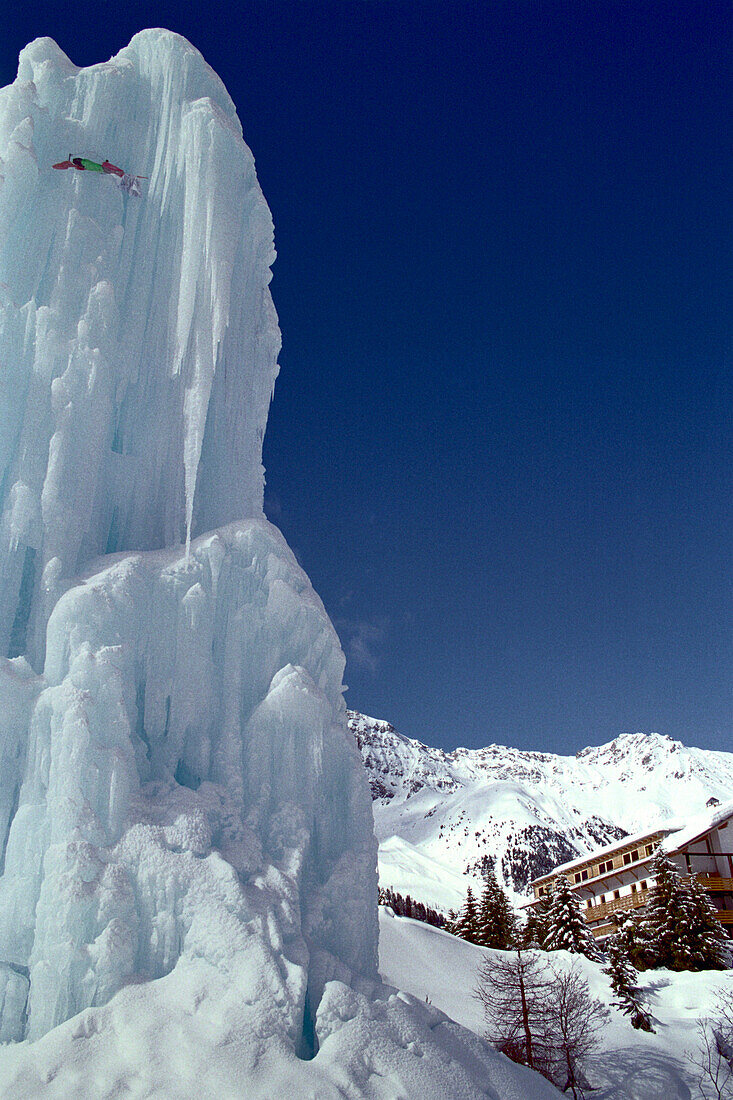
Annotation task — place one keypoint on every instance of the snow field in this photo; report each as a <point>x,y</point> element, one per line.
<point>630,1065</point>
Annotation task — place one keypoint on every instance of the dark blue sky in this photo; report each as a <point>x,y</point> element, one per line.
<point>500,442</point>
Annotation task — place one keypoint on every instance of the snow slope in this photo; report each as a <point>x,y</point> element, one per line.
<point>439,814</point>
<point>187,858</point>
<point>630,1065</point>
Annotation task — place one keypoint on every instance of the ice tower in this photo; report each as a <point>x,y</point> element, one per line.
<point>174,751</point>
<point>185,825</point>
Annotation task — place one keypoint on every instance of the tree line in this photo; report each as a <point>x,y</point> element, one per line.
<point>677,928</point>
<point>408,907</point>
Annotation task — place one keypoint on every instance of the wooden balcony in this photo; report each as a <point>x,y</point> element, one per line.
<point>636,901</point>
<point>616,905</point>
<point>714,882</point>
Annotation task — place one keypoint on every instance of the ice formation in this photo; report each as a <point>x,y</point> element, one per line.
<point>186,839</point>
<point>173,746</point>
<point>138,339</point>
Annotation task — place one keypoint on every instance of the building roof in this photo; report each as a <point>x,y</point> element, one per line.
<point>678,832</point>
<point>697,826</point>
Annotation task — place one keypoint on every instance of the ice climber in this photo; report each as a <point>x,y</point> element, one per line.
<point>83,164</point>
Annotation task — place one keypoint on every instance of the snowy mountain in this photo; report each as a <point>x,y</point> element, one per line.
<point>438,815</point>
<point>188,881</point>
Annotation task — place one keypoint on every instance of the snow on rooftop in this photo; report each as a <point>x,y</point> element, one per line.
<point>678,832</point>
<point>697,825</point>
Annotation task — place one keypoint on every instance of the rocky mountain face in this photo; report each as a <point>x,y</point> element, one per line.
<point>441,816</point>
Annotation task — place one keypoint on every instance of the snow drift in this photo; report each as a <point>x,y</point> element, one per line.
<point>187,857</point>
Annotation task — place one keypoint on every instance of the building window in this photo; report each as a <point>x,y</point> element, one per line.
<point>644,884</point>
<point>630,857</point>
<point>649,849</point>
<point>607,865</point>
<point>633,887</point>
<point>616,895</point>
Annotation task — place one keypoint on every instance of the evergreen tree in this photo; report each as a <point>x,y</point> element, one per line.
<point>467,926</point>
<point>673,936</point>
<point>635,940</point>
<point>535,928</point>
<point>486,867</point>
<point>685,931</point>
<point>566,927</point>
<point>496,920</point>
<point>709,941</point>
<point>667,882</point>
<point>629,997</point>
<point>406,907</point>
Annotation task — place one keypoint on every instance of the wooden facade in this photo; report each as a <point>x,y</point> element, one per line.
<point>617,878</point>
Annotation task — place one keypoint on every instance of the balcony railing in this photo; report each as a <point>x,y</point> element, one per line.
<point>616,905</point>
<point>636,901</point>
<point>714,882</point>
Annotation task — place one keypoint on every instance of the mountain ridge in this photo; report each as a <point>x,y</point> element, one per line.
<point>440,815</point>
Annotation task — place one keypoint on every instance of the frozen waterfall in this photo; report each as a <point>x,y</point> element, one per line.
<point>187,855</point>
<point>174,757</point>
<point>138,339</point>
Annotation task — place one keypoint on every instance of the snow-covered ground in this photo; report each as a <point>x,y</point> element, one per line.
<point>190,1036</point>
<point>630,1065</point>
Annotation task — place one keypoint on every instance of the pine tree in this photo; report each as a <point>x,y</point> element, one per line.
<point>467,926</point>
<point>685,931</point>
<point>496,921</point>
<point>635,940</point>
<point>566,927</point>
<point>629,997</point>
<point>674,936</point>
<point>710,944</point>
<point>406,907</point>
<point>535,929</point>
<point>667,881</point>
